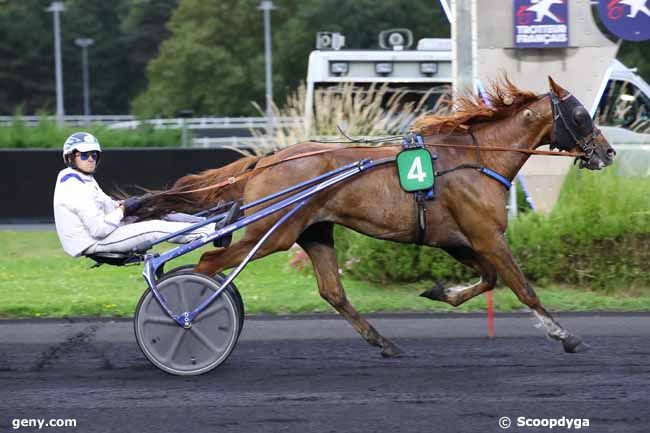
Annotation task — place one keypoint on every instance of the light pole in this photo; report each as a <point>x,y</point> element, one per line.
<point>56,8</point>
<point>267,7</point>
<point>84,43</point>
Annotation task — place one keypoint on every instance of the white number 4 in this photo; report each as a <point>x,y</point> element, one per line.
<point>416,172</point>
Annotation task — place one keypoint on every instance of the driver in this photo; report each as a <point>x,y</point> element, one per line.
<point>88,221</point>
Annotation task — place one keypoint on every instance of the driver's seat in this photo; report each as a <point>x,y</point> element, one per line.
<point>115,259</point>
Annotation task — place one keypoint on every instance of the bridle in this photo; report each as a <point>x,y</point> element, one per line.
<point>587,143</point>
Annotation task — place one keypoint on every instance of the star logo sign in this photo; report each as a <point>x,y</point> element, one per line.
<point>636,6</point>
<point>627,19</point>
<point>542,9</point>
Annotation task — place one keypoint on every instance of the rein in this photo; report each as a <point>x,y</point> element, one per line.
<point>233,179</point>
<point>509,149</point>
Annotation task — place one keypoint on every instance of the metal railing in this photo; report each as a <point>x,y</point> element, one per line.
<point>120,121</point>
<point>231,142</point>
<point>125,121</point>
<point>210,123</point>
<point>75,120</point>
<point>71,120</point>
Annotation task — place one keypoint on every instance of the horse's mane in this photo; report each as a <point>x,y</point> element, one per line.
<point>503,99</point>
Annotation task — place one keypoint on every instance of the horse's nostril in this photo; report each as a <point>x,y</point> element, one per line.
<point>611,152</point>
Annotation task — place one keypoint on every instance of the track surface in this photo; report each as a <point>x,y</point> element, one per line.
<point>278,379</point>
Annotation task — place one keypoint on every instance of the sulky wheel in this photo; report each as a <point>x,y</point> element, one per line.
<point>232,289</point>
<point>206,344</point>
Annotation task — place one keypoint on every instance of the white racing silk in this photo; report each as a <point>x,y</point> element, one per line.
<point>89,221</point>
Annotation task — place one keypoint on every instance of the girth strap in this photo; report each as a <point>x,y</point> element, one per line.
<point>421,227</point>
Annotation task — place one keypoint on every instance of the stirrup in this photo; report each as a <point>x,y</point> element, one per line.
<point>233,214</point>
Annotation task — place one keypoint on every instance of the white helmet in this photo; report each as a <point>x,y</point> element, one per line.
<point>82,142</point>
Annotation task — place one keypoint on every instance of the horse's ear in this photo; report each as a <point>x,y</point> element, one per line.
<point>556,88</point>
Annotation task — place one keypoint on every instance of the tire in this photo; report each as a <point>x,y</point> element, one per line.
<point>232,289</point>
<point>196,350</point>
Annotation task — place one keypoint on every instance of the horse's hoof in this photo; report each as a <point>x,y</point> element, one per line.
<point>437,293</point>
<point>573,344</point>
<point>391,350</point>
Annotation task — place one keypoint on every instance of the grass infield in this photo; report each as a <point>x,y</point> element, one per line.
<point>37,279</point>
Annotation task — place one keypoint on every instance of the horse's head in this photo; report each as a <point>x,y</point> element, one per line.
<point>574,130</point>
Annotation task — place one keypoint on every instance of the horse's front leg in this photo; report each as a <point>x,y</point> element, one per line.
<point>457,295</point>
<point>496,250</point>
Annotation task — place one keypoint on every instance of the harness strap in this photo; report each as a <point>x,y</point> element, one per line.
<point>412,141</point>
<point>496,176</point>
<point>486,171</point>
<point>421,227</point>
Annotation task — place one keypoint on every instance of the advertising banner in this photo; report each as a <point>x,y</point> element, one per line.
<point>541,23</point>
<point>627,19</point>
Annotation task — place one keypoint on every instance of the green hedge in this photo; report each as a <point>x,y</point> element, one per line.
<point>597,237</point>
<point>47,134</point>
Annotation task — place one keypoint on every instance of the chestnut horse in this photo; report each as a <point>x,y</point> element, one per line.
<point>467,219</point>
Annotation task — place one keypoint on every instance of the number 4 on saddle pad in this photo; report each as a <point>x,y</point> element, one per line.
<point>415,168</point>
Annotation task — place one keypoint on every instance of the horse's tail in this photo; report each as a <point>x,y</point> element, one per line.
<point>184,197</point>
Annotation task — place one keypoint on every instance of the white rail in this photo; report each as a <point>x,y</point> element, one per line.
<point>130,122</point>
<point>232,142</point>
<point>71,120</point>
<point>210,123</point>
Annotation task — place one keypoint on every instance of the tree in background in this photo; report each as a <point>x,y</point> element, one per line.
<point>144,28</point>
<point>209,57</point>
<point>213,62</point>
<point>108,65</point>
<point>126,33</point>
<point>636,55</point>
<point>210,62</point>
<point>26,57</point>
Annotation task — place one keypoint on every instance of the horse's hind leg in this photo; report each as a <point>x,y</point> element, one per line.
<point>496,250</point>
<point>460,294</point>
<point>218,260</point>
<point>318,243</point>
<point>225,258</point>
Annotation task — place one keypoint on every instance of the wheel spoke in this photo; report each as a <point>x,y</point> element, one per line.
<point>182,298</point>
<point>160,320</point>
<point>205,340</point>
<point>212,309</point>
<point>176,293</point>
<point>175,344</point>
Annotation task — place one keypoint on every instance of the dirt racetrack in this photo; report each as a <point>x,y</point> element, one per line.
<point>279,379</point>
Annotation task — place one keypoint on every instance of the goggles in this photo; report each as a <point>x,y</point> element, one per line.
<point>85,155</point>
